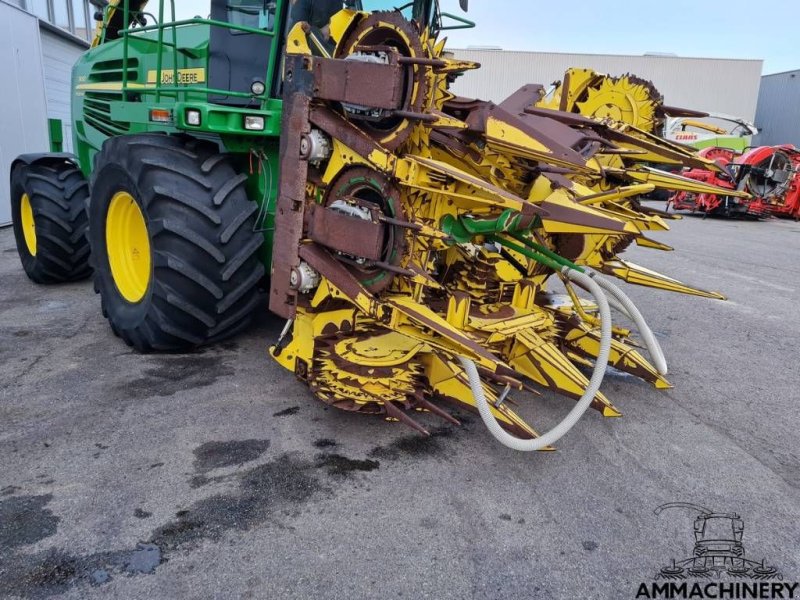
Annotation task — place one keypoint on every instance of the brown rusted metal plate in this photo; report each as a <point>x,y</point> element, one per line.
<point>564,213</point>
<point>528,208</point>
<point>290,207</point>
<point>644,141</point>
<point>337,273</point>
<point>441,328</point>
<point>562,143</point>
<point>668,150</point>
<point>340,128</point>
<point>456,142</point>
<point>345,233</point>
<point>347,81</point>
<point>567,118</point>
<point>354,82</point>
<point>524,97</point>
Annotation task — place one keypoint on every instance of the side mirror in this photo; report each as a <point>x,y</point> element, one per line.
<point>464,5</point>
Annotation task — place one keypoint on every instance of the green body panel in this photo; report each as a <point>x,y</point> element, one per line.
<point>55,131</point>
<point>733,143</point>
<point>117,84</point>
<point>105,103</point>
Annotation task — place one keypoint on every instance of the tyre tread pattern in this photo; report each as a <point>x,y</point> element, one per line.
<point>206,254</point>
<point>58,191</point>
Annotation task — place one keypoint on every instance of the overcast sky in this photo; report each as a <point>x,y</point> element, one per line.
<point>725,29</point>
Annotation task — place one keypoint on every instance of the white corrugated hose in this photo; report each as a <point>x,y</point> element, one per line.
<point>600,365</point>
<point>628,308</point>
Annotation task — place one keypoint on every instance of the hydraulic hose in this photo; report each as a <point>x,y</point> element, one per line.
<point>583,404</point>
<point>618,299</point>
<point>628,308</point>
<point>623,304</point>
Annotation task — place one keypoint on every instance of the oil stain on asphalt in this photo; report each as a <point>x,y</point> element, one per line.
<point>341,466</point>
<point>216,455</point>
<point>54,571</point>
<point>263,491</point>
<point>26,520</point>
<point>271,494</point>
<point>416,445</point>
<point>172,374</point>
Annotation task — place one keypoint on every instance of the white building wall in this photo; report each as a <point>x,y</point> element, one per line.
<point>58,56</point>
<point>704,84</point>
<point>23,107</point>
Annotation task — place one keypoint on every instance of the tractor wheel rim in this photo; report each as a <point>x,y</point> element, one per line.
<point>128,246</point>
<point>28,224</point>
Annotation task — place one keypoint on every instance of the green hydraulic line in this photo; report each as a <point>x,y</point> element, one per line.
<point>532,254</point>
<point>464,230</point>
<point>198,21</point>
<point>547,252</point>
<point>160,50</point>
<point>556,262</point>
<point>174,53</point>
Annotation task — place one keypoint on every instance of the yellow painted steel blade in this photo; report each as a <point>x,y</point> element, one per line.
<point>637,275</point>
<point>646,242</point>
<point>449,382</point>
<point>619,193</point>
<point>585,342</point>
<point>507,139</point>
<point>457,66</point>
<point>638,220</point>
<point>447,337</point>
<point>565,215</point>
<point>657,150</point>
<point>544,363</point>
<point>671,181</point>
<point>470,188</point>
<point>625,209</point>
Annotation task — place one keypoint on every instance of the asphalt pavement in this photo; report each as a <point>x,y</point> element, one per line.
<point>218,475</point>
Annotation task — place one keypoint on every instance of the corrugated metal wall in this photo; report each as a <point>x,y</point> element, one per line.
<point>778,114</point>
<point>705,84</point>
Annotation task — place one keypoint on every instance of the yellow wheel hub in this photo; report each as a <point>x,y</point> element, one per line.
<point>128,246</point>
<point>28,224</point>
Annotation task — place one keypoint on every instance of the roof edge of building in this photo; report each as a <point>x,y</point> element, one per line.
<point>780,73</point>
<point>63,33</point>
<point>660,56</point>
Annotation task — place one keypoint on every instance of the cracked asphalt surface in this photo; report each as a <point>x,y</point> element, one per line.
<point>217,475</point>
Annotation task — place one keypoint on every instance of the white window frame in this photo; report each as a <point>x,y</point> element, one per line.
<point>72,25</point>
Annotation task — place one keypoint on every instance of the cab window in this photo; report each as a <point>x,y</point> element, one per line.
<point>258,14</point>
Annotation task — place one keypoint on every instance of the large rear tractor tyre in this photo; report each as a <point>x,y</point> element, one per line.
<point>48,211</point>
<point>176,257</point>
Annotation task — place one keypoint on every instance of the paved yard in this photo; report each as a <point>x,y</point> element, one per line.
<point>217,475</point>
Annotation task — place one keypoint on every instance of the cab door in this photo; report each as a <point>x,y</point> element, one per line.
<point>237,59</point>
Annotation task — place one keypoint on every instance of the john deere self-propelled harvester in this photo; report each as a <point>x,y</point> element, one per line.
<point>410,235</point>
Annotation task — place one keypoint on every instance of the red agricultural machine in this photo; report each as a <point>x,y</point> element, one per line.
<point>770,174</point>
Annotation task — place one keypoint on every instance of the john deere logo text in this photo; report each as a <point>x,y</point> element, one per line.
<point>185,76</point>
